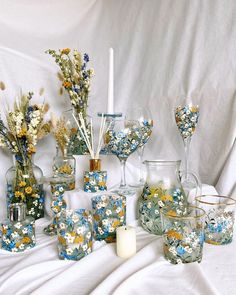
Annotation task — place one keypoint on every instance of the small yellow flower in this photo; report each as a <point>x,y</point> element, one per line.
<point>67,84</point>
<point>174,234</point>
<point>65,51</point>
<point>171,213</point>
<point>28,190</point>
<point>26,240</point>
<point>62,240</point>
<point>166,198</point>
<point>79,239</point>
<point>18,194</point>
<point>23,132</point>
<point>22,184</point>
<point>31,150</point>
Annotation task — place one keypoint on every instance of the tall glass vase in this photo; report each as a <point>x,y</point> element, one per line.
<point>25,185</point>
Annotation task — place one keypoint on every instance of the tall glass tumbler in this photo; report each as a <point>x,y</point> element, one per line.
<point>183,235</point>
<point>219,223</point>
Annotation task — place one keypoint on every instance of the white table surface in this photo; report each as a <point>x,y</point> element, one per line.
<point>39,271</point>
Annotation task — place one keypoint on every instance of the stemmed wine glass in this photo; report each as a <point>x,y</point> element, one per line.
<point>122,140</point>
<point>143,115</point>
<point>186,118</point>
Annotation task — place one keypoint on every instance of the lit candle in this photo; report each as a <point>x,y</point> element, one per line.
<point>110,102</point>
<point>125,241</point>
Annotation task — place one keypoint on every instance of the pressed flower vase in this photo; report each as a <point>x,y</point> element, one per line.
<point>18,232</point>
<point>95,180</point>
<point>183,234</point>
<point>25,184</point>
<point>74,234</point>
<point>64,165</point>
<point>109,212</point>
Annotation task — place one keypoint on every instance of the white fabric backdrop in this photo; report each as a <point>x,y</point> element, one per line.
<point>163,48</point>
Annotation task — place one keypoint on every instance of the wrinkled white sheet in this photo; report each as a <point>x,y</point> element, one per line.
<point>163,48</point>
<point>39,271</point>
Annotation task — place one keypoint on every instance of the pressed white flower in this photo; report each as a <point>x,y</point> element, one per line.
<point>149,205</point>
<point>88,236</point>
<point>25,230</point>
<point>69,251</point>
<point>85,247</point>
<point>18,225</point>
<point>111,229</point>
<point>70,239</point>
<point>62,225</point>
<point>21,246</point>
<point>80,230</point>
<point>108,212</point>
<point>105,221</point>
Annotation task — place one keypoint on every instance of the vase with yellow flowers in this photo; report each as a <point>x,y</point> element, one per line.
<point>64,163</point>
<point>25,126</point>
<point>75,79</point>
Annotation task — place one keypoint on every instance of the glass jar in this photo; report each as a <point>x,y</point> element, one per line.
<point>25,184</point>
<point>64,166</point>
<point>162,188</point>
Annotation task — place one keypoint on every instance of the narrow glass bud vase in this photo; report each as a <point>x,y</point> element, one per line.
<point>18,232</point>
<point>95,180</point>
<point>64,166</point>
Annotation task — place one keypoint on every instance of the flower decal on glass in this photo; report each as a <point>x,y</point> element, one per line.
<point>95,181</point>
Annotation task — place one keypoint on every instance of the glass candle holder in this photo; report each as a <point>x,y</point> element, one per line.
<point>109,212</point>
<point>95,180</point>
<point>183,235</point>
<point>74,232</point>
<point>219,223</point>
<point>18,232</point>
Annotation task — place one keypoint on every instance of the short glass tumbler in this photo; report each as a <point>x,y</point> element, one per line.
<point>109,212</point>
<point>183,235</point>
<point>74,232</point>
<point>219,222</point>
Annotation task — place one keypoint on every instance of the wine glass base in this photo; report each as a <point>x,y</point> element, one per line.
<point>124,190</point>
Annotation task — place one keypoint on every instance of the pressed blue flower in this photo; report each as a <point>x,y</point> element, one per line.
<point>86,57</point>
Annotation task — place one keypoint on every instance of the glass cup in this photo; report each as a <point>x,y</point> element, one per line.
<point>183,234</point>
<point>219,218</point>
<point>74,232</point>
<point>109,212</point>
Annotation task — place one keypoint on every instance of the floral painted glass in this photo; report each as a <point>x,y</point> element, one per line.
<point>183,234</point>
<point>74,234</point>
<point>18,232</point>
<point>219,223</point>
<point>109,212</point>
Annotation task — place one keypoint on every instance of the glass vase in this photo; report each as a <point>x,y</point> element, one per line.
<point>64,166</point>
<point>25,185</point>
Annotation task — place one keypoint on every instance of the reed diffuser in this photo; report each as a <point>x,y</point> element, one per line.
<point>95,179</point>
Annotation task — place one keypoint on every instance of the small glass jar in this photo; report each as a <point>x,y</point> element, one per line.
<point>25,184</point>
<point>74,231</point>
<point>18,232</point>
<point>95,180</point>
<point>64,165</point>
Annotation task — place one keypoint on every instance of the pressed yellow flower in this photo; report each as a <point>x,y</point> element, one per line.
<point>194,109</point>
<point>18,194</point>
<point>23,132</point>
<point>116,223</point>
<point>22,184</point>
<point>121,213</point>
<point>65,169</point>
<point>62,240</point>
<point>65,51</point>
<point>31,150</point>
<point>26,240</point>
<point>174,234</point>
<point>212,242</point>
<point>101,183</point>
<point>166,198</point>
<point>28,190</point>
<point>171,213</point>
<point>67,84</point>
<point>74,130</point>
<point>79,239</point>
<point>72,186</point>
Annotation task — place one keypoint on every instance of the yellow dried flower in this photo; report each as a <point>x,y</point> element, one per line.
<point>22,184</point>
<point>19,194</point>
<point>67,84</point>
<point>65,51</point>
<point>28,190</point>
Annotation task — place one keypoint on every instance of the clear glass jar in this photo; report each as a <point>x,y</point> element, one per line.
<point>64,165</point>
<point>162,188</point>
<point>25,184</point>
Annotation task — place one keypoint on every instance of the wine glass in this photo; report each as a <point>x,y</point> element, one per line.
<point>122,140</point>
<point>186,118</point>
<point>143,115</point>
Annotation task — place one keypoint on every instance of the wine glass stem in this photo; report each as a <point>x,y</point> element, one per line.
<point>122,166</point>
<point>140,157</point>
<point>186,158</point>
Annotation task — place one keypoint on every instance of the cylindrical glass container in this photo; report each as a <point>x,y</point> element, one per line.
<point>183,234</point>
<point>64,165</point>
<point>25,184</point>
<point>109,212</point>
<point>95,180</point>
<point>74,232</point>
<point>18,232</point>
<point>219,225</point>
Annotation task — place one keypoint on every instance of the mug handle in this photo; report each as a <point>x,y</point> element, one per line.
<point>198,184</point>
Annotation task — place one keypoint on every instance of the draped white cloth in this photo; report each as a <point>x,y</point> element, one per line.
<point>163,48</point>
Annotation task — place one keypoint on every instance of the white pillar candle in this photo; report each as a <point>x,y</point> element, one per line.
<point>125,241</point>
<point>110,102</point>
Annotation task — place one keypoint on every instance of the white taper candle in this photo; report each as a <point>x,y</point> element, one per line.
<point>125,241</point>
<point>110,101</point>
